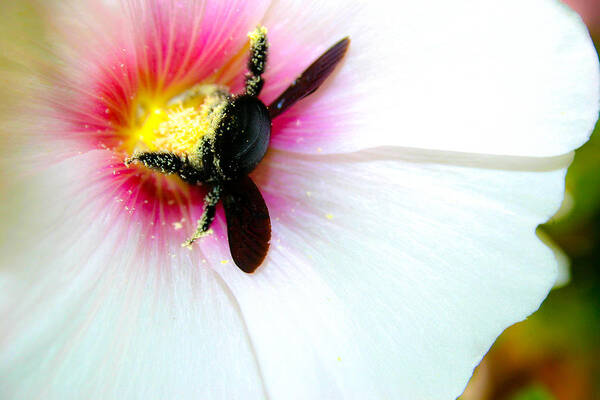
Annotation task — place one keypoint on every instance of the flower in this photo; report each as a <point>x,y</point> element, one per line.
<point>404,197</point>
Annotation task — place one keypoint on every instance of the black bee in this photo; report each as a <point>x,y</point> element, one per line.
<point>238,140</point>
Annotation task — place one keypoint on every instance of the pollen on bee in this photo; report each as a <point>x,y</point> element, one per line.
<point>257,35</point>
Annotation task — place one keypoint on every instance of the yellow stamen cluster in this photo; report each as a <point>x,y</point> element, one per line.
<point>179,125</point>
<point>181,130</point>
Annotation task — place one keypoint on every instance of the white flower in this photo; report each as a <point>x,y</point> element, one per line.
<point>404,197</point>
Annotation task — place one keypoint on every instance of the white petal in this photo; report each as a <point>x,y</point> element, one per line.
<point>509,77</point>
<point>89,311</point>
<point>392,276</point>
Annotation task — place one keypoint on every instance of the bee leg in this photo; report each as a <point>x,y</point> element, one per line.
<point>257,61</point>
<point>208,215</point>
<point>167,163</point>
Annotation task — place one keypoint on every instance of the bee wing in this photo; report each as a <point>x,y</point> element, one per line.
<point>248,223</point>
<point>310,79</point>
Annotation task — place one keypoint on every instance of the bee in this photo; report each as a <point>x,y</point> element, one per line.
<point>237,130</point>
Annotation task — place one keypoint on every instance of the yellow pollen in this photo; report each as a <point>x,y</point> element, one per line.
<point>257,34</point>
<point>177,126</point>
<point>180,131</point>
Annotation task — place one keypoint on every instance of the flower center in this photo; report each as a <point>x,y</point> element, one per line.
<point>178,125</point>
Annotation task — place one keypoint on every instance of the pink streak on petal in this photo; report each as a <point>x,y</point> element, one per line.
<point>155,48</point>
<point>189,41</point>
<point>151,212</point>
<point>165,208</point>
<point>318,122</point>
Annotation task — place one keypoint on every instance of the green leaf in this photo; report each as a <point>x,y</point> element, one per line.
<point>534,392</point>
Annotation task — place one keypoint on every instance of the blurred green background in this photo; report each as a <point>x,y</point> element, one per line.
<point>555,353</point>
